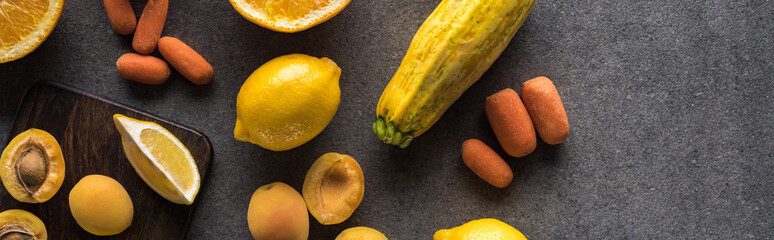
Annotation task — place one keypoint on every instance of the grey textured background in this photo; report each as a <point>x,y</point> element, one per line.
<point>669,104</point>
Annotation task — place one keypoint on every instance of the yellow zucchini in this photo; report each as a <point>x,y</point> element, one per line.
<point>457,43</point>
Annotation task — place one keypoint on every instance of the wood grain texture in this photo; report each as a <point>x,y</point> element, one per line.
<point>83,126</point>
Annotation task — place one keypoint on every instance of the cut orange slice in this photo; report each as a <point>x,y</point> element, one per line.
<point>161,160</point>
<point>288,15</point>
<point>25,24</point>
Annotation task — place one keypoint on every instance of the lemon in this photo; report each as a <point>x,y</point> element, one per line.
<point>25,24</point>
<point>160,159</point>
<point>487,228</point>
<point>287,101</point>
<point>288,15</point>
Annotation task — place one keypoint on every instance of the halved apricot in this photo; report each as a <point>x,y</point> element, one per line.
<point>22,225</point>
<point>333,188</point>
<point>32,167</point>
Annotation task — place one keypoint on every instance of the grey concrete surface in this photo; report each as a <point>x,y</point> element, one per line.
<point>669,103</point>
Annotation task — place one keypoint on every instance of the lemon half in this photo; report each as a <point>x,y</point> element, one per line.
<point>160,159</point>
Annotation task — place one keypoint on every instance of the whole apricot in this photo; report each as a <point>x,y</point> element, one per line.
<point>277,211</point>
<point>361,233</point>
<point>333,188</point>
<point>101,205</point>
<point>19,224</point>
<point>32,167</point>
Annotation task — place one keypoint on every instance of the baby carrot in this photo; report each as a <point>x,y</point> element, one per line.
<point>486,163</point>
<point>150,26</point>
<point>189,63</point>
<point>143,68</point>
<point>546,110</point>
<point>121,16</point>
<point>511,123</point>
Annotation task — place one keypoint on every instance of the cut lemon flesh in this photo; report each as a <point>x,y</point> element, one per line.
<point>288,15</point>
<point>25,24</point>
<point>160,159</point>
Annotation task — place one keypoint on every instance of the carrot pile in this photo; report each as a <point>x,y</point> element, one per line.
<point>147,36</point>
<point>514,123</point>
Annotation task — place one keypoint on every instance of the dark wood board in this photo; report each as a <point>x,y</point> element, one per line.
<point>83,126</point>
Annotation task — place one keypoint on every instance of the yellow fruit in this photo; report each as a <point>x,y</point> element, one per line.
<point>20,224</point>
<point>277,211</point>
<point>32,167</point>
<point>333,188</point>
<point>361,233</point>
<point>160,159</point>
<point>25,24</point>
<point>101,205</point>
<point>287,101</point>
<point>487,228</point>
<point>288,15</point>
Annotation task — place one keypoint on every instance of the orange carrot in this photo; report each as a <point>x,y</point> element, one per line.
<point>546,110</point>
<point>121,16</point>
<point>189,63</point>
<point>510,123</point>
<point>486,163</point>
<point>150,26</point>
<point>143,68</point>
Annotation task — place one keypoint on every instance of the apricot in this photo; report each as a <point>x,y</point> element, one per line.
<point>101,205</point>
<point>361,233</point>
<point>32,167</point>
<point>333,188</point>
<point>17,224</point>
<point>277,211</point>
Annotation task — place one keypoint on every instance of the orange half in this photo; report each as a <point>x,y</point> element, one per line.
<point>25,24</point>
<point>288,15</point>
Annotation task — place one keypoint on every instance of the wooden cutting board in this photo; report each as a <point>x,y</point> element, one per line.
<point>82,124</point>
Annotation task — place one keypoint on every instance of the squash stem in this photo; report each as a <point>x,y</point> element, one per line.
<point>390,134</point>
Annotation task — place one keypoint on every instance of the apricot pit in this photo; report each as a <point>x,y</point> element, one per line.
<point>17,224</point>
<point>32,167</point>
<point>333,188</point>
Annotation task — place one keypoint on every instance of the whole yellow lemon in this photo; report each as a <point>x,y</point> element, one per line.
<point>487,228</point>
<point>287,101</point>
